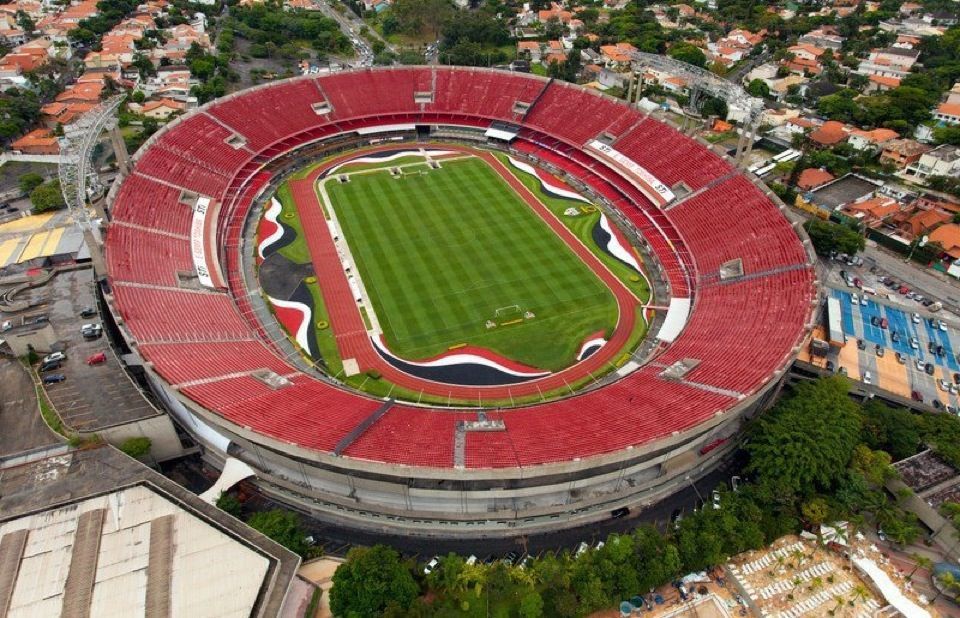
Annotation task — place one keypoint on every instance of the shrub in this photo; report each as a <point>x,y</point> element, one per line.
<point>136,447</point>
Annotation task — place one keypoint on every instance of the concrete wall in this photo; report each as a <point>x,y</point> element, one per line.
<point>164,442</point>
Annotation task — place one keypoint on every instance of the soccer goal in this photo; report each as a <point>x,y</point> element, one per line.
<point>510,314</point>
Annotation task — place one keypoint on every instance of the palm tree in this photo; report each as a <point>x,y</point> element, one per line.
<point>947,583</point>
<point>919,561</point>
<point>798,556</point>
<point>859,593</point>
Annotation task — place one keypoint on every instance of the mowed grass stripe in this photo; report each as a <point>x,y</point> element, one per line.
<point>440,252</point>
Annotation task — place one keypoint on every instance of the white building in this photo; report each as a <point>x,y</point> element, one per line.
<point>941,161</point>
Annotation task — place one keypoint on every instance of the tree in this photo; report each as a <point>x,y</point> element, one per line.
<point>873,465</point>
<point>815,511</point>
<point>758,88</point>
<point>29,181</point>
<point>531,605</point>
<point>281,526</point>
<point>47,197</point>
<point>136,447</point>
<point>919,562</point>
<point>827,236</point>
<point>689,53</point>
<point>228,503</point>
<point>805,442</point>
<point>371,579</point>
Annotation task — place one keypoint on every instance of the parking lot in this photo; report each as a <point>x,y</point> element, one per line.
<point>91,397</point>
<point>897,349</point>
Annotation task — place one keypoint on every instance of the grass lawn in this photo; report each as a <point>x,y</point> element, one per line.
<point>581,225</point>
<point>296,251</point>
<point>439,252</point>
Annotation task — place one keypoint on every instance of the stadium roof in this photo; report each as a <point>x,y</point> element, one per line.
<point>92,532</point>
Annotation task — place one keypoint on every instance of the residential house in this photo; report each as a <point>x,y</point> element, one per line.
<point>871,141</point>
<point>916,222</point>
<point>948,113</point>
<point>944,160</point>
<point>902,152</point>
<point>889,62</point>
<point>802,66</point>
<point>948,237</point>
<point>162,109</point>
<point>874,211</point>
<point>907,41</point>
<point>829,134</point>
<point>824,37</point>
<point>37,142</point>
<point>812,177</point>
<point>529,50</point>
<point>953,97</point>
<point>805,51</point>
<point>618,55</point>
<point>555,12</point>
<point>881,83</point>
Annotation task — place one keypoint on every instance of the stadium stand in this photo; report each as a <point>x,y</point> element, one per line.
<point>209,345</point>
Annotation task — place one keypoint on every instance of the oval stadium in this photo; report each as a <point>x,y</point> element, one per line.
<point>432,300</point>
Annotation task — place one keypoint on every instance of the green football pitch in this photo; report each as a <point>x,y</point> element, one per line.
<point>441,250</point>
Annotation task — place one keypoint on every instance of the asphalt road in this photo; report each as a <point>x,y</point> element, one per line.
<point>337,540</point>
<point>21,426</point>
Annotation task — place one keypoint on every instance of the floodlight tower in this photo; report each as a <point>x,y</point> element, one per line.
<point>79,180</point>
<point>703,82</point>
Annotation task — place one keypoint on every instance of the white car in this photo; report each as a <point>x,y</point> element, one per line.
<point>867,378</point>
<point>54,357</point>
<point>942,325</point>
<point>427,570</point>
<point>581,549</point>
<point>919,365</point>
<point>915,318</point>
<point>914,344</point>
<point>944,385</point>
<point>716,500</point>
<point>863,300</point>
<point>854,299</point>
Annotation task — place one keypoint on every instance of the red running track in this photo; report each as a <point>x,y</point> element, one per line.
<point>347,323</point>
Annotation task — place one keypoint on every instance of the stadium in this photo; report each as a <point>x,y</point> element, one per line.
<point>453,301</point>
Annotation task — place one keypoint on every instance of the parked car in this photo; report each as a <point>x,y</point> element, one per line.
<point>901,359</point>
<point>915,318</point>
<point>863,300</point>
<point>861,345</point>
<point>716,499</point>
<point>942,325</point>
<point>54,378</point>
<point>434,562</point>
<point>884,323</point>
<point>830,366</point>
<point>54,356</point>
<point>91,331</point>
<point>50,366</point>
<point>88,312</point>
<point>928,368</point>
<point>919,365</point>
<point>97,359</point>
<point>916,396</point>
<point>867,378</point>
<point>944,385</point>
<point>879,350</point>
<point>855,299</point>
<point>914,344</point>
<point>894,336</point>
